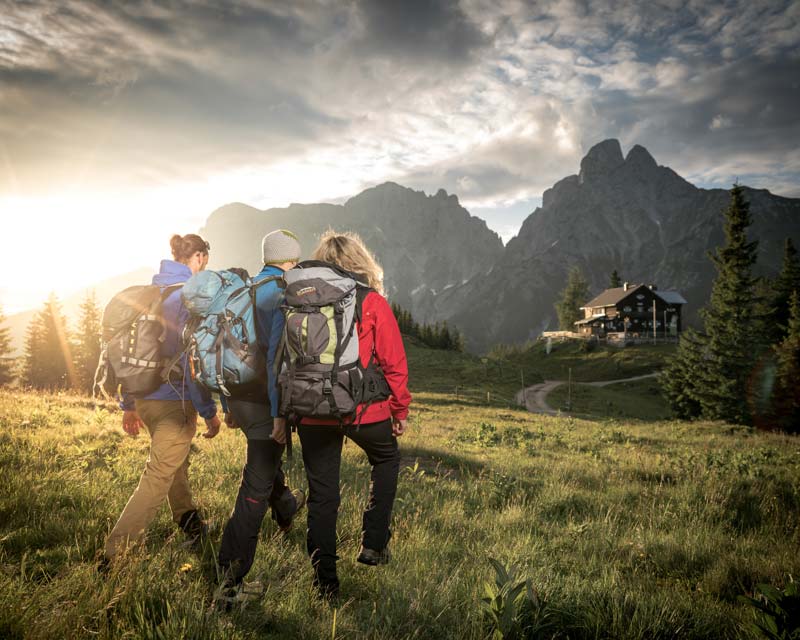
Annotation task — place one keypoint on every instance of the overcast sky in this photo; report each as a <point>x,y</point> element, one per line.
<point>168,110</point>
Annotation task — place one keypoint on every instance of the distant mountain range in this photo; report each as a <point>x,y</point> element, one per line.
<point>426,244</point>
<point>619,212</point>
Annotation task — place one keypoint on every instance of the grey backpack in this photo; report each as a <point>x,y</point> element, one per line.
<point>321,374</point>
<point>132,336</point>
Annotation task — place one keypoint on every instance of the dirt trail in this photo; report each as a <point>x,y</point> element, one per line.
<point>535,399</point>
<point>535,396</point>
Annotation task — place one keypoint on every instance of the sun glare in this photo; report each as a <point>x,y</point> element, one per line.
<point>67,242</point>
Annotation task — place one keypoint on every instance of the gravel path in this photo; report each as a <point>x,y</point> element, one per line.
<point>535,396</point>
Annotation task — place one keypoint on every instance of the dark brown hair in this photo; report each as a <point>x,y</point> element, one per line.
<point>184,247</point>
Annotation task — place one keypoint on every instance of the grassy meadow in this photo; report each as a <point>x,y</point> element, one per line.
<point>624,529</point>
<point>600,362</point>
<point>638,399</point>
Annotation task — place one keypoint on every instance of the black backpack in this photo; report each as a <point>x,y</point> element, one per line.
<point>322,375</point>
<point>132,335</point>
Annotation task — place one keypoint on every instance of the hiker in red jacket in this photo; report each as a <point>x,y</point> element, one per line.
<point>376,429</point>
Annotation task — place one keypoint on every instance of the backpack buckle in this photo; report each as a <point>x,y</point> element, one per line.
<point>327,387</point>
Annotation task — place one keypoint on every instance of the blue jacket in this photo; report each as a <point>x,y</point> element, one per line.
<point>175,318</point>
<point>269,316</point>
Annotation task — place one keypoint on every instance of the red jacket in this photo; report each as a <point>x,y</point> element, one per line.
<point>378,330</point>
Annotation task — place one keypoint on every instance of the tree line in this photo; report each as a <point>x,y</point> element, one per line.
<point>55,357</point>
<point>436,336</point>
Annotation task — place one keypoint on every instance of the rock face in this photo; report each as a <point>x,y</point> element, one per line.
<point>624,213</point>
<point>426,244</point>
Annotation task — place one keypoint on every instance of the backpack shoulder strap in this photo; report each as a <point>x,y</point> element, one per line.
<point>279,280</point>
<point>361,293</point>
<point>253,288</point>
<point>167,291</point>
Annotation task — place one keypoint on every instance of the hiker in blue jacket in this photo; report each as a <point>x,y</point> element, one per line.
<point>263,482</point>
<point>169,415</point>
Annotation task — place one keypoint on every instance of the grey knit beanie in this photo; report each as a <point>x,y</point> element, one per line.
<point>280,246</point>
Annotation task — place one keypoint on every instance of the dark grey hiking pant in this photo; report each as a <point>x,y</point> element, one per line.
<point>263,485</point>
<point>322,455</point>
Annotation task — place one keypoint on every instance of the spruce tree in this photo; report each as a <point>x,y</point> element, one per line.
<point>683,376</point>
<point>574,295</point>
<point>786,394</point>
<point>6,359</point>
<point>87,342</point>
<point>445,340</point>
<point>616,281</point>
<point>733,328</point>
<point>787,282</point>
<point>48,359</point>
<point>33,362</point>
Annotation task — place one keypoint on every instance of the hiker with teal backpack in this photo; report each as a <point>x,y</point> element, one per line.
<point>233,345</point>
<point>344,375</point>
<point>141,359</point>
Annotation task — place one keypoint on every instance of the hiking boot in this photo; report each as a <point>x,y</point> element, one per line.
<point>374,558</point>
<point>284,526</point>
<point>195,528</point>
<point>228,596</point>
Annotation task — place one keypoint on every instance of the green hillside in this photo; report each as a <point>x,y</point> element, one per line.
<point>600,363</point>
<point>624,530</point>
<point>442,372</point>
<point>638,399</point>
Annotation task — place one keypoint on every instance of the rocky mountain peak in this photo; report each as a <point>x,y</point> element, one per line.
<point>640,156</point>
<point>601,160</point>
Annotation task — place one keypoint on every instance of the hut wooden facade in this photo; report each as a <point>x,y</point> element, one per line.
<point>632,309</point>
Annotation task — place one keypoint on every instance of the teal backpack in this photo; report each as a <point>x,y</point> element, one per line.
<point>222,334</point>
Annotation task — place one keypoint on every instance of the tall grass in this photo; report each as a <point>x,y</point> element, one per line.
<point>622,529</point>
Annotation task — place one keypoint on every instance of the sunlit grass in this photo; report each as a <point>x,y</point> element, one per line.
<point>626,529</point>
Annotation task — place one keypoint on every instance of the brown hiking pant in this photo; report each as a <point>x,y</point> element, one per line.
<point>165,475</point>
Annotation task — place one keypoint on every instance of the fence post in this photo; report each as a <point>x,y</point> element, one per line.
<point>456,393</point>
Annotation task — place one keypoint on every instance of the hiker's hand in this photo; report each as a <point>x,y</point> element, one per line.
<point>212,427</point>
<point>131,423</point>
<point>398,427</point>
<point>279,430</point>
<point>230,422</point>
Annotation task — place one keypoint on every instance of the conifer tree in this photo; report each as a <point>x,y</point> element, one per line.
<point>616,281</point>
<point>6,360</point>
<point>48,359</point>
<point>425,334</point>
<point>33,362</point>
<point>574,295</point>
<point>786,394</point>
<point>683,377</point>
<point>87,342</point>
<point>445,340</point>
<point>733,328</point>
<point>787,282</point>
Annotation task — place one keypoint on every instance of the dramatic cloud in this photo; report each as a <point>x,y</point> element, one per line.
<point>491,99</point>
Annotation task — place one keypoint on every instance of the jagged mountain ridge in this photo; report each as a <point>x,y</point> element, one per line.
<point>624,213</point>
<point>424,243</point>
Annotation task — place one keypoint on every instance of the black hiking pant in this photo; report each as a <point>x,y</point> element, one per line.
<point>263,485</point>
<point>322,456</point>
